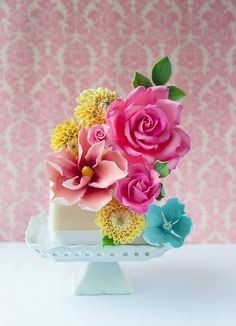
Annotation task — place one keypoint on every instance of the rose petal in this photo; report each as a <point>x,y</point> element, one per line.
<point>138,168</point>
<point>116,106</point>
<point>172,111</point>
<point>115,120</point>
<point>140,95</point>
<point>137,195</point>
<point>168,149</point>
<point>185,143</point>
<point>160,92</point>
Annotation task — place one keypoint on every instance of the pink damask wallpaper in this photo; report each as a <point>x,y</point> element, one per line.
<point>51,50</point>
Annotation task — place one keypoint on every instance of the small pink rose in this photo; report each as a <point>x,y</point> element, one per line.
<point>139,189</point>
<point>98,133</point>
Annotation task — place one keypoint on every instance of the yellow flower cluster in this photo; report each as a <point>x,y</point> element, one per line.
<point>93,105</point>
<point>119,223</point>
<point>66,135</point>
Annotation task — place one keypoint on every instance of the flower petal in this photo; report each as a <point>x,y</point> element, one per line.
<point>172,111</point>
<point>63,161</point>
<point>65,196</point>
<point>154,236</point>
<point>117,158</point>
<point>107,173</point>
<point>116,122</point>
<point>174,241</point>
<point>76,183</point>
<point>154,216</point>
<point>161,92</point>
<point>94,154</point>
<point>83,145</point>
<point>185,142</point>
<point>168,149</point>
<point>173,209</point>
<point>140,95</point>
<point>53,170</point>
<point>183,227</point>
<point>94,199</point>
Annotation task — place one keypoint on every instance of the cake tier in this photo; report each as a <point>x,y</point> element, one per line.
<point>71,225</point>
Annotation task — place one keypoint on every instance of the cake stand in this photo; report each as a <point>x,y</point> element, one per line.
<point>101,273</point>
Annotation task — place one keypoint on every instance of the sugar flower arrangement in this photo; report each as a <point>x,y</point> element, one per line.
<point>112,156</point>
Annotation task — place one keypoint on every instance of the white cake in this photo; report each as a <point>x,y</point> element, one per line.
<point>71,225</point>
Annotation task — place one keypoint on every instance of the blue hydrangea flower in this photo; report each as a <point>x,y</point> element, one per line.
<point>167,224</point>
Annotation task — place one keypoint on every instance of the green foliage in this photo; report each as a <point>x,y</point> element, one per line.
<point>161,71</point>
<point>175,93</point>
<point>161,168</point>
<point>107,241</point>
<point>141,80</point>
<point>162,193</point>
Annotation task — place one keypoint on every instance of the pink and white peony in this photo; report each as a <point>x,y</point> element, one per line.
<point>87,181</point>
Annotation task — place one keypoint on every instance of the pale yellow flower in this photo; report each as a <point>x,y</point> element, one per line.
<point>66,135</point>
<point>119,223</point>
<point>93,104</point>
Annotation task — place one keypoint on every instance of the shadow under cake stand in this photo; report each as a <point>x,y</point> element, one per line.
<point>101,273</point>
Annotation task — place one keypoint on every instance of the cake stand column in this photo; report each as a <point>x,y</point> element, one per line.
<point>96,278</point>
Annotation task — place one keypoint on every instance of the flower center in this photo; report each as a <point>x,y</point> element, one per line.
<point>87,171</point>
<point>100,134</point>
<point>120,219</point>
<point>167,226</point>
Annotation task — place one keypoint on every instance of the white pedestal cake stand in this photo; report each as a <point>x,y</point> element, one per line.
<point>101,274</point>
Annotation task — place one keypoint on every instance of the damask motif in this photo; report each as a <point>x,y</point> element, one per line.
<point>52,50</point>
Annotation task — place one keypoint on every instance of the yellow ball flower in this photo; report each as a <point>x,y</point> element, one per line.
<point>119,223</point>
<point>93,104</point>
<point>66,135</point>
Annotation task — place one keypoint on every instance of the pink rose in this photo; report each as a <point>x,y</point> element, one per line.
<point>87,181</point>
<point>139,189</point>
<point>145,125</point>
<point>98,133</point>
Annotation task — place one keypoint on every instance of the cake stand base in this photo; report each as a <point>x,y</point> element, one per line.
<point>96,278</point>
<point>102,273</point>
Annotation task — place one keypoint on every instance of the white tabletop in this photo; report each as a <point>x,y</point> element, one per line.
<point>194,285</point>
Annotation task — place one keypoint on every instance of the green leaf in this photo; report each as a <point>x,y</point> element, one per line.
<point>161,71</point>
<point>175,93</point>
<point>161,168</point>
<point>141,80</point>
<point>107,241</point>
<point>162,193</point>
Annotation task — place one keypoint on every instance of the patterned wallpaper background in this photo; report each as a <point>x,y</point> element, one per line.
<point>51,50</point>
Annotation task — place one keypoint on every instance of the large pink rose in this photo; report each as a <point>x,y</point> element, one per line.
<point>145,126</point>
<point>139,189</point>
<point>87,181</point>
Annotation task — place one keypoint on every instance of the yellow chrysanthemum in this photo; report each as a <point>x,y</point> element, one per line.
<point>119,223</point>
<point>66,135</point>
<point>93,105</point>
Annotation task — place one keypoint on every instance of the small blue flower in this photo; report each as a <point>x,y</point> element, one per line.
<point>167,224</point>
